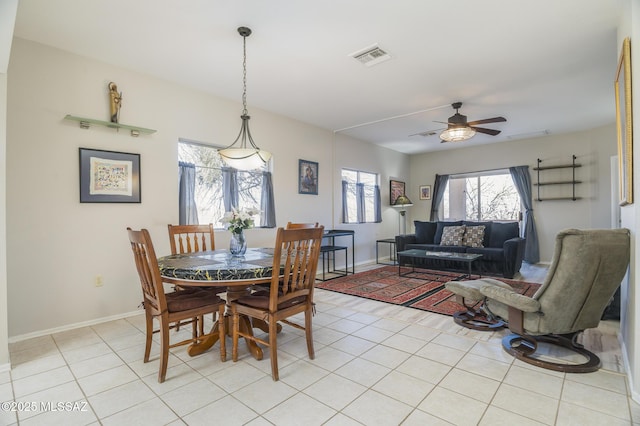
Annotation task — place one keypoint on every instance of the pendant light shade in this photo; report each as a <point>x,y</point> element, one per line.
<point>240,154</point>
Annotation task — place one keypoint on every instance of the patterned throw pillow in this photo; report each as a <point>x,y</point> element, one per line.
<point>452,235</point>
<point>473,236</point>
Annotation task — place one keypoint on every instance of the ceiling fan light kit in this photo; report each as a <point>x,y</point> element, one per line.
<point>243,157</point>
<point>457,134</point>
<point>458,129</point>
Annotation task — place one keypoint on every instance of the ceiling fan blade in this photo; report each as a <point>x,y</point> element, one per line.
<point>486,131</point>
<point>487,120</point>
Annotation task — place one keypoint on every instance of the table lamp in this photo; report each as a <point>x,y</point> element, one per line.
<point>401,203</point>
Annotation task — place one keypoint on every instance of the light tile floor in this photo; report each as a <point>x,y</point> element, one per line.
<point>376,364</point>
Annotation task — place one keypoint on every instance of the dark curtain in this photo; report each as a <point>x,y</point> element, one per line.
<point>360,202</point>
<point>345,209</point>
<point>522,181</point>
<point>377,204</point>
<point>439,186</point>
<point>267,203</point>
<point>229,188</point>
<point>187,211</point>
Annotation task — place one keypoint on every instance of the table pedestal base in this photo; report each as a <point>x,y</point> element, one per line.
<point>246,326</point>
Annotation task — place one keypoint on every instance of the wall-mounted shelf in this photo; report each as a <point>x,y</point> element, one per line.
<point>85,123</point>
<point>573,182</point>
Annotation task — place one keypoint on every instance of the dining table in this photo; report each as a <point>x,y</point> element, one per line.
<point>219,268</point>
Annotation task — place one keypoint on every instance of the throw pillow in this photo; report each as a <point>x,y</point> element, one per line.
<point>440,227</point>
<point>473,236</point>
<point>452,235</point>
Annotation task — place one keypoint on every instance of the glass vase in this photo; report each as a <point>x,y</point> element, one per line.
<point>237,245</point>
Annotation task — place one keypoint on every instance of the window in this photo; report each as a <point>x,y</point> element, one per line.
<point>210,194</point>
<point>481,196</point>
<point>360,197</point>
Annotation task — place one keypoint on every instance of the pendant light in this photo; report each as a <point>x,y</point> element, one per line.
<point>239,155</point>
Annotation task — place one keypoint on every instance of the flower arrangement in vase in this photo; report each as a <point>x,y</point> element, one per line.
<point>237,221</point>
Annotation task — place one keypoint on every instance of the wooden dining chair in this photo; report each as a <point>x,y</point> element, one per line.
<point>292,225</point>
<point>171,308</point>
<point>296,257</point>
<point>191,238</point>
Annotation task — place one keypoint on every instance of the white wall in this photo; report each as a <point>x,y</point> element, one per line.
<point>8,10</point>
<point>354,154</point>
<point>56,246</point>
<point>593,149</point>
<point>630,214</point>
<point>4,347</point>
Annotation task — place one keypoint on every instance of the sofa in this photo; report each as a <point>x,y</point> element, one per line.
<point>499,243</point>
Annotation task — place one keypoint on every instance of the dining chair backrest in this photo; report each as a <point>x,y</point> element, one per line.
<point>148,271</point>
<point>191,238</point>
<point>296,253</point>
<point>292,225</point>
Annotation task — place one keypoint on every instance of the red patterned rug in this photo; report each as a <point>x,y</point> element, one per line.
<point>422,289</point>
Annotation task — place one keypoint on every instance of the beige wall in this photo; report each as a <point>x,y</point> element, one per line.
<point>593,148</point>
<point>56,246</point>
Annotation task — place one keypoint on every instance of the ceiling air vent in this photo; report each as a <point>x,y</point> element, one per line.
<point>371,55</point>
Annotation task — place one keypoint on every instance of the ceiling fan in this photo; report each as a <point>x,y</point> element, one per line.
<point>458,129</point>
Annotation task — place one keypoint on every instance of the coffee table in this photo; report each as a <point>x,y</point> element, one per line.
<point>414,254</point>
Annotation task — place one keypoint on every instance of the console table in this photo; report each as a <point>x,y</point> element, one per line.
<point>328,252</point>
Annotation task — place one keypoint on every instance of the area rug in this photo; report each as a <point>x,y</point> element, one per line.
<point>422,289</point>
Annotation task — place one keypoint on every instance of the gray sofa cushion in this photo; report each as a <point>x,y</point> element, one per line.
<point>501,232</point>
<point>425,231</point>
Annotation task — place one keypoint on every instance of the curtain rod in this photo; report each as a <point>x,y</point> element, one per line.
<point>484,171</point>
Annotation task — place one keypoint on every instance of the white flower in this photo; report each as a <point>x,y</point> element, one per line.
<point>238,220</point>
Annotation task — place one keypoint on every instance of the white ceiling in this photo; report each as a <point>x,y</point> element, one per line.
<point>543,65</point>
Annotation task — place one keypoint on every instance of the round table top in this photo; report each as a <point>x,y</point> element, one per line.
<point>255,265</point>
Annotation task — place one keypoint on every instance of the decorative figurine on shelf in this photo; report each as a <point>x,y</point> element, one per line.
<point>115,99</point>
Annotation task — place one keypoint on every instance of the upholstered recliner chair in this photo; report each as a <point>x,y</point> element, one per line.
<point>587,268</point>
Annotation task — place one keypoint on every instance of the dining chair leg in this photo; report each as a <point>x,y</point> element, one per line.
<point>308,314</point>
<point>235,329</point>
<point>222,334</point>
<point>273,347</point>
<point>164,349</point>
<point>149,328</point>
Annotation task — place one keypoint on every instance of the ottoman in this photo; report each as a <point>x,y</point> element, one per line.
<point>476,315</point>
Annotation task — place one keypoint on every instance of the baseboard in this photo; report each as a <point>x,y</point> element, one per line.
<point>21,337</point>
<point>5,367</point>
<point>635,396</point>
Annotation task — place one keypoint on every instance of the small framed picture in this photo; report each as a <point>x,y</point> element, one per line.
<point>109,176</point>
<point>396,189</point>
<point>425,192</point>
<point>307,177</point>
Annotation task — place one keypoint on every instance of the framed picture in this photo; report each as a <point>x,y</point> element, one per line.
<point>396,189</point>
<point>425,192</point>
<point>307,177</point>
<point>624,123</point>
<point>109,177</point>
